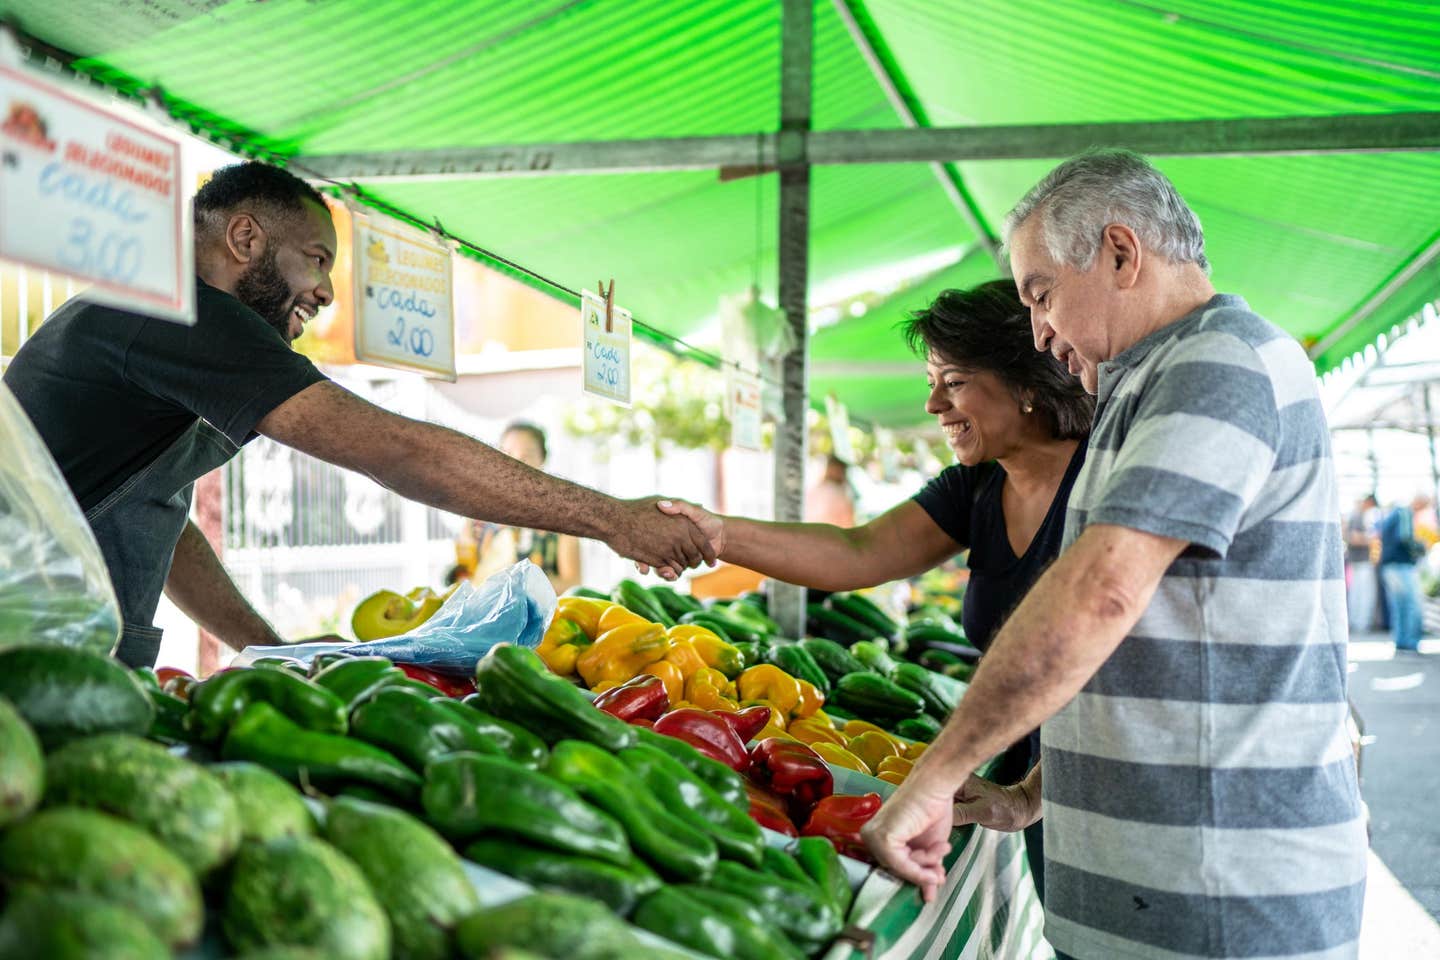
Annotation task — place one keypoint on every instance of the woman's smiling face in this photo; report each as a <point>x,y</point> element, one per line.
<point>976,410</point>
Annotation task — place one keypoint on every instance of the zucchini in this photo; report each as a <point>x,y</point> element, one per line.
<point>920,637</point>
<point>578,591</point>
<point>832,658</point>
<point>730,629</point>
<point>639,601</point>
<point>796,661</point>
<point>874,657</point>
<point>864,610</point>
<point>876,698</point>
<point>917,679</point>
<point>834,625</point>
<point>923,728</point>
<point>674,603</point>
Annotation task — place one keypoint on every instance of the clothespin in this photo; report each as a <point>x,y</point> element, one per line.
<point>609,296</point>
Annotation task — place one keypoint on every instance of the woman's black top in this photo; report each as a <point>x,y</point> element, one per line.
<point>965,503</point>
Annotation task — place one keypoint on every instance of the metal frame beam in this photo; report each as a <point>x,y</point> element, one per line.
<point>1234,137</point>
<point>787,601</point>
<point>909,112</point>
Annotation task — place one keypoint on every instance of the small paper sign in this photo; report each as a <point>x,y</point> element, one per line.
<point>743,393</point>
<point>605,357</point>
<point>404,280</point>
<point>89,193</point>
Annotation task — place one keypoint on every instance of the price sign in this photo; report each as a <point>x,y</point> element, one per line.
<point>86,192</point>
<point>839,428</point>
<point>605,356</point>
<point>743,393</point>
<point>404,283</point>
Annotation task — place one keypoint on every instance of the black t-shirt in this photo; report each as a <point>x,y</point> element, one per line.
<point>109,390</point>
<point>965,503</point>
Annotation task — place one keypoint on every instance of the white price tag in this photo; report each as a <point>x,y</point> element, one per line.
<point>605,356</point>
<point>744,407</point>
<point>87,192</point>
<point>839,418</point>
<point>404,285</point>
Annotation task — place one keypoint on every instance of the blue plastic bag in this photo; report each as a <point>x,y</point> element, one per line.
<point>512,606</point>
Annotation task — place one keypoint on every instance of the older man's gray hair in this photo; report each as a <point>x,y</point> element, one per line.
<point>1087,193</point>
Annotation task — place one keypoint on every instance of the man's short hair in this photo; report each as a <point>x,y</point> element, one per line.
<point>1078,199</point>
<point>265,189</point>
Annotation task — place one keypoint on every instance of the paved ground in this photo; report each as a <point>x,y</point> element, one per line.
<point>1398,699</point>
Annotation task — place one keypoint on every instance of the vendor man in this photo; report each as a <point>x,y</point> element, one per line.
<point>1186,651</point>
<point>134,409</point>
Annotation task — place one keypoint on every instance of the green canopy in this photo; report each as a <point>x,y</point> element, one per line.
<point>1309,240</point>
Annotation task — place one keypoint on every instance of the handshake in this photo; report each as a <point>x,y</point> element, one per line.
<point>670,536</point>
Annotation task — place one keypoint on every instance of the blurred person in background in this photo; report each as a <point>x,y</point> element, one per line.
<point>495,546</point>
<point>831,500</point>
<point>1400,554</point>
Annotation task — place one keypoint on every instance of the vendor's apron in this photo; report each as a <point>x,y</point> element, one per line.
<point>138,525</point>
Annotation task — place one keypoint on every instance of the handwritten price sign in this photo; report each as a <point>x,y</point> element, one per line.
<point>404,314</point>
<point>605,356</point>
<point>88,193</point>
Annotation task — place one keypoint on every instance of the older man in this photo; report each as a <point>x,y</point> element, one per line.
<point>1186,651</point>
<point>135,409</point>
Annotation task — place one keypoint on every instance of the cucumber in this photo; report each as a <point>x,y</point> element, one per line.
<point>592,594</point>
<point>84,851</point>
<point>874,657</point>
<point>414,874</point>
<point>865,611</point>
<point>923,728</point>
<point>56,925</point>
<point>22,767</point>
<point>65,693</point>
<point>550,925</point>
<point>730,629</point>
<point>875,698</point>
<point>178,802</point>
<point>834,625</point>
<point>917,679</point>
<point>920,637</point>
<point>832,658</point>
<point>268,807</point>
<point>303,892</point>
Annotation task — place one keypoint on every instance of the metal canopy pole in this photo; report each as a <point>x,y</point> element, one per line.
<point>1232,137</point>
<point>787,601</point>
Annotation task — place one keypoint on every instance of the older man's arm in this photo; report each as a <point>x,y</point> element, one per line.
<point>451,471</point>
<point>1065,629</point>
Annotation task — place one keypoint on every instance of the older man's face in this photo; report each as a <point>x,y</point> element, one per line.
<point>1067,306</point>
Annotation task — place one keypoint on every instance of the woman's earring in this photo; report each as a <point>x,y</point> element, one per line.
<point>1028,408</point>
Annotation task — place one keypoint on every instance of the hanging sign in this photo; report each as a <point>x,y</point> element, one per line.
<point>743,401</point>
<point>88,193</point>
<point>889,454</point>
<point>404,284</point>
<point>605,357</point>
<point>839,419</point>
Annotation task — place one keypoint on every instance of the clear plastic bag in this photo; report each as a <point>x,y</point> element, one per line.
<point>513,606</point>
<point>54,587</point>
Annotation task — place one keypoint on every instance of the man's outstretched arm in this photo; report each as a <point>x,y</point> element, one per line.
<point>451,471</point>
<point>204,592</point>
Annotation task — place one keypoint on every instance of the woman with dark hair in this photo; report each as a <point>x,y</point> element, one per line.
<point>1017,422</point>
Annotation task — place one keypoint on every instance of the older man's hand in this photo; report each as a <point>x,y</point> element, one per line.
<point>990,805</point>
<point>910,836</point>
<point>670,544</point>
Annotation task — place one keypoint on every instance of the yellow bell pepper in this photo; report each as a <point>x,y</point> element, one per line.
<point>872,747</point>
<point>896,764</point>
<point>854,728</point>
<point>584,611</point>
<point>670,674</point>
<point>716,653</point>
<point>820,716</point>
<point>914,750</point>
<point>808,730</point>
<point>623,652</point>
<point>562,644</point>
<point>684,656</point>
<point>604,685</point>
<point>839,756</point>
<point>386,613</point>
<point>705,688</point>
<point>772,732</point>
<point>617,616</point>
<point>890,776</point>
<point>769,683</point>
<point>811,699</point>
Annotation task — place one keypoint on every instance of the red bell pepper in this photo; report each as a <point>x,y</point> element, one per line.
<point>165,674</point>
<point>767,810</point>
<point>748,722</point>
<point>450,686</point>
<point>708,733</point>
<point>839,819</point>
<point>793,771</point>
<point>641,698</point>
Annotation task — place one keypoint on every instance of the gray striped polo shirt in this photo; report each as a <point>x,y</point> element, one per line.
<point>1200,796</point>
